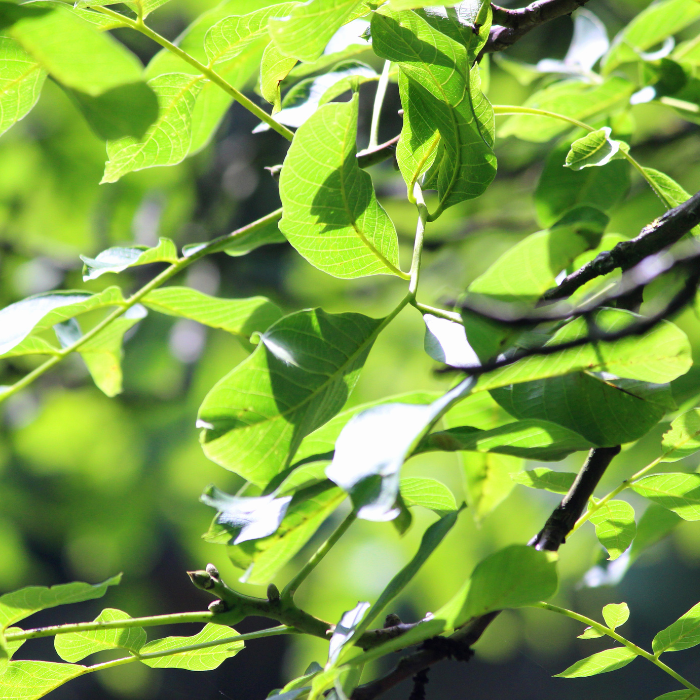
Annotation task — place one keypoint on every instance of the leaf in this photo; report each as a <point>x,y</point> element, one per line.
<point>446,341</point>
<point>684,633</point>
<point>656,522</point>
<point>487,480</point>
<point>321,443</point>
<point>19,604</point>
<point>331,214</point>
<point>246,239</point>
<point>77,645</point>
<point>677,695</point>
<point>242,317</point>
<point>345,630</point>
<point>40,312</point>
<point>306,30</point>
<point>373,446</point>
<point>141,7</point>
<point>614,526</point>
<point>546,479</point>
<point>560,189</point>
<point>616,614</point>
<point>532,439</point>
<point>677,492</point>
<point>681,440</point>
<point>513,577</point>
<point>252,517</point>
<point>308,95</point>
<point>448,91</point>
<point>71,50</point>
<point>650,27</point>
<point>595,149</point>
<point>429,493</point>
<point>32,346</point>
<point>673,194</point>
<point>167,140</point>
<point>27,680</point>
<point>21,80</point>
<point>274,68</point>
<point>205,659</point>
<point>602,662</point>
<point>577,100</point>
<point>590,633</point>
<point>229,37</point>
<point>118,259</point>
<point>299,377</point>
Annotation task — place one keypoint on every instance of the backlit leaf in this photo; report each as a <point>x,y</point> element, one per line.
<point>27,680</point>
<point>682,438</point>
<point>429,493</point>
<point>614,526</point>
<point>274,68</point>
<point>546,479</point>
<point>603,662</point>
<point>616,614</point>
<point>684,633</point>
<point>656,522</point>
<point>77,645</point>
<point>590,633</point>
<point>299,377</point>
<point>331,213</point>
<point>141,7</point>
<point>118,259</point>
<point>595,149</point>
<point>345,630</point>
<point>677,492</point>
<point>487,480</point>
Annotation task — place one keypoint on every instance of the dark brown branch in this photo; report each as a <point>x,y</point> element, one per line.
<point>382,152</point>
<point>551,537</point>
<point>665,231</point>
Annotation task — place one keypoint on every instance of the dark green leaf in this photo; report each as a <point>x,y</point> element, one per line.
<point>656,522</point>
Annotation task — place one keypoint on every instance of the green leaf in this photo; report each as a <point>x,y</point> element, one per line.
<point>602,662</point>
<point>229,37</point>
<point>167,140</point>
<point>19,604</point>
<point>614,526</point>
<point>345,630</point>
<point>21,80</point>
<point>590,633</point>
<point>118,259</point>
<point>429,493</point>
<point>27,680</point>
<point>448,95</point>
<point>321,443</point>
<point>673,194</point>
<point>242,317</point>
<point>42,311</point>
<point>77,645</point>
<point>681,440</point>
<point>304,32</point>
<point>142,8</point>
<point>513,577</point>
<point>71,50</point>
<point>677,695</point>
<point>274,68</point>
<point>578,100</point>
<point>532,439</point>
<point>373,446</point>
<point>546,479</point>
<point>677,492</point>
<point>616,614</point>
<point>560,189</point>
<point>487,480</point>
<point>205,659</point>
<point>32,346</point>
<point>659,21</point>
<point>595,149</point>
<point>331,213</point>
<point>656,522</point>
<point>446,341</point>
<point>297,379</point>
<point>684,633</point>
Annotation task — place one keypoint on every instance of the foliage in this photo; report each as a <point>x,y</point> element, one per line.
<point>525,376</point>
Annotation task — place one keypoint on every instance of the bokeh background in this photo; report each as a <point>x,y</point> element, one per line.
<point>90,486</point>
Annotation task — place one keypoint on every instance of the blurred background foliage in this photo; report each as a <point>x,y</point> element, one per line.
<point>90,486</point>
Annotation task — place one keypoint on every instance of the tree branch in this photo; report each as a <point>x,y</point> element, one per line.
<point>512,25</point>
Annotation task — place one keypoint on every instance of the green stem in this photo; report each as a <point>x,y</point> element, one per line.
<point>211,247</point>
<point>611,633</point>
<point>420,235</point>
<point>291,588</point>
<point>271,632</point>
<point>378,102</point>
<point>151,621</point>
<point>441,313</point>
<point>207,71</point>
<point>593,507</point>
<point>513,109</point>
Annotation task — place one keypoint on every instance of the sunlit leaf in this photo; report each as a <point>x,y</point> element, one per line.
<point>118,259</point>
<point>603,662</point>
<point>299,377</point>
<point>331,213</point>
<point>446,341</point>
<point>242,317</point>
<point>167,140</point>
<point>205,659</point>
<point>590,633</point>
<point>429,493</point>
<point>274,68</point>
<point>595,149</point>
<point>305,31</point>
<point>682,439</point>
<point>684,633</point>
<point>616,614</point>
<point>487,480</point>
<point>614,526</point>
<point>345,630</point>
<point>77,645</point>
<point>27,680</point>
<point>677,492</point>
<point>141,7</point>
<point>546,479</point>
